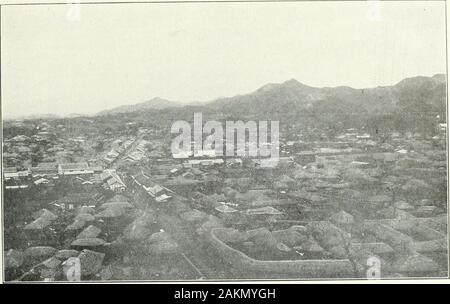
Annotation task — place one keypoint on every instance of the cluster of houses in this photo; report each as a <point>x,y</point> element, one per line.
<point>157,192</point>
<point>117,148</point>
<point>47,174</point>
<point>322,186</point>
<point>78,225</point>
<point>403,247</point>
<point>316,180</point>
<point>138,153</point>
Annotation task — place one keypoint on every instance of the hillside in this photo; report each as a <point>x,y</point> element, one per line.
<point>152,104</point>
<point>413,103</point>
<point>417,94</point>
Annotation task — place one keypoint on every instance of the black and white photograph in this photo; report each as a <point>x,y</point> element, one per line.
<point>190,141</point>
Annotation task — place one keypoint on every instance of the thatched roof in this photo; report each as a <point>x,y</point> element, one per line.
<point>231,235</point>
<point>124,205</point>
<point>310,246</point>
<point>85,210</point>
<point>376,248</point>
<point>111,212</point>
<point>89,242</point>
<point>416,185</point>
<point>106,273</point>
<point>161,236</point>
<point>161,243</point>
<point>13,259</point>
<point>84,217</point>
<point>342,217</point>
<point>263,238</point>
<point>64,254</point>
<point>43,219</point>
<point>289,237</point>
<point>327,233</point>
<point>89,232</point>
<point>51,262</point>
<point>138,230</point>
<point>44,214</point>
<point>147,218</point>
<point>38,224</point>
<point>39,251</point>
<point>118,198</point>
<point>403,205</point>
<point>91,262</point>
<point>76,225</point>
<point>163,247</point>
<point>415,263</point>
<point>229,192</point>
<point>225,209</point>
<point>439,245</point>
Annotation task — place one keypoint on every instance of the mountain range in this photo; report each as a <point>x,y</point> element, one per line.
<point>412,95</point>
<point>154,103</point>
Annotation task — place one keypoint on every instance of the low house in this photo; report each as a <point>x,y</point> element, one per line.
<point>74,168</point>
<point>342,218</point>
<point>175,171</point>
<point>36,230</point>
<point>225,209</point>
<point>41,181</point>
<point>17,175</point>
<point>152,188</point>
<point>116,184</point>
<point>14,184</point>
<point>113,180</point>
<point>9,169</point>
<point>45,169</point>
<point>195,163</point>
<point>263,211</point>
<point>163,198</point>
<point>363,136</point>
<point>113,154</point>
<point>73,200</point>
<point>134,156</point>
<point>14,179</point>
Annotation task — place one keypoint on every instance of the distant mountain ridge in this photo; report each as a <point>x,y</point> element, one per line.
<point>410,95</point>
<point>420,93</point>
<point>416,94</point>
<point>152,104</point>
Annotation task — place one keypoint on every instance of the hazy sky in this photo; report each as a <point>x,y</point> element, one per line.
<point>123,54</point>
